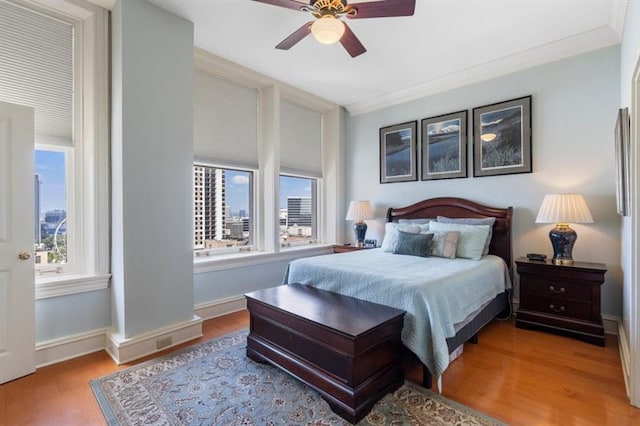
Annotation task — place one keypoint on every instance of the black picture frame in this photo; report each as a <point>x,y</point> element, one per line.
<point>443,146</point>
<point>398,153</point>
<point>502,138</point>
<point>622,147</point>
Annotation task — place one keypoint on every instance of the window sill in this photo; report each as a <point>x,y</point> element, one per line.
<point>240,260</point>
<point>64,285</point>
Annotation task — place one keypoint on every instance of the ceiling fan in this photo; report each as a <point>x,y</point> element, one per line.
<point>329,28</point>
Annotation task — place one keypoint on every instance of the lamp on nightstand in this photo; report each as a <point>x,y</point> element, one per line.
<point>563,209</point>
<point>360,211</point>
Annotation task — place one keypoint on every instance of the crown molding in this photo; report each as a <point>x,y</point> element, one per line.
<point>618,15</point>
<point>598,38</point>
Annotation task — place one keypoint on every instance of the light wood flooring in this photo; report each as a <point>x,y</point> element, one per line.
<point>518,376</point>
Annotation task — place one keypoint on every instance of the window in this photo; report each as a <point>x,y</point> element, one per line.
<point>222,209</point>
<point>45,66</point>
<point>298,210</point>
<point>51,224</point>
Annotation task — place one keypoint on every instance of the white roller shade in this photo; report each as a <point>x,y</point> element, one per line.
<point>301,140</point>
<point>36,68</point>
<point>225,117</point>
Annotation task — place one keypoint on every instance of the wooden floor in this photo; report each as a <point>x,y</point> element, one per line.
<point>518,376</point>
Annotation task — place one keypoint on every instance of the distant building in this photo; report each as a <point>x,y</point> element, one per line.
<point>299,211</point>
<point>209,205</point>
<point>54,217</point>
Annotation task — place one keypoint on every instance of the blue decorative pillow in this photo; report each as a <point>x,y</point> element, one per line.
<point>413,244</point>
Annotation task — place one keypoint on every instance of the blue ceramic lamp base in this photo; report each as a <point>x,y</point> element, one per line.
<point>360,229</point>
<point>562,239</point>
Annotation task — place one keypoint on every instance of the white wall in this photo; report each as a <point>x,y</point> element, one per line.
<point>152,155</point>
<point>630,335</point>
<point>574,107</point>
<point>629,58</point>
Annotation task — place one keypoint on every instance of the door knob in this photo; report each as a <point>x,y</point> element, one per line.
<point>24,255</point>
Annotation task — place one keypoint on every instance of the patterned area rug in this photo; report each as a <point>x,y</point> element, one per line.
<point>214,383</point>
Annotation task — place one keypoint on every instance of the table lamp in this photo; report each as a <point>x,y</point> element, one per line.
<point>360,211</point>
<point>563,209</point>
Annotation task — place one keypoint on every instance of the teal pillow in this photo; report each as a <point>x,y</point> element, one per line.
<point>413,244</point>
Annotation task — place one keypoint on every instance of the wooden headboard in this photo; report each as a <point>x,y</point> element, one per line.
<point>458,208</point>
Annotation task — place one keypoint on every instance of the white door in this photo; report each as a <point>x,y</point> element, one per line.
<point>17,222</point>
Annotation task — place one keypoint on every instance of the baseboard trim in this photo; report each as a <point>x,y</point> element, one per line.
<point>611,324</point>
<point>123,350</point>
<point>220,307</point>
<point>625,355</point>
<point>57,350</point>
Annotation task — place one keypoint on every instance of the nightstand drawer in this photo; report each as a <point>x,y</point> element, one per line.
<point>558,289</point>
<point>557,306</point>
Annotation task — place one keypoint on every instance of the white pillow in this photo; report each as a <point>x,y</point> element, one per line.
<point>390,240</point>
<point>472,238</point>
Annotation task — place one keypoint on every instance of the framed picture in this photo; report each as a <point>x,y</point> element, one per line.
<point>622,161</point>
<point>398,148</point>
<point>444,146</point>
<point>502,138</point>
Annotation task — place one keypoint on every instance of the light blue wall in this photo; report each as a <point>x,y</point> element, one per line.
<point>575,102</point>
<point>227,283</point>
<point>63,316</point>
<point>152,161</point>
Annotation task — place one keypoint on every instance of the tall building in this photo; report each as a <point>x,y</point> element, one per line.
<point>38,232</point>
<point>299,211</point>
<point>209,205</point>
<point>54,217</point>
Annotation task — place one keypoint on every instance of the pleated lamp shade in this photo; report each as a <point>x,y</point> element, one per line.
<point>359,210</point>
<point>564,208</point>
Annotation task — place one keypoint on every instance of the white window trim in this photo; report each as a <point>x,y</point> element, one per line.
<point>91,148</point>
<point>317,208</point>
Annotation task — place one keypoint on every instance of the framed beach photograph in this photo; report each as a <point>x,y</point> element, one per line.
<point>398,152</point>
<point>444,146</point>
<point>622,161</point>
<point>502,138</point>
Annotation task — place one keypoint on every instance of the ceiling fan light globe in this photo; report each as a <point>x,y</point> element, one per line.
<point>327,30</point>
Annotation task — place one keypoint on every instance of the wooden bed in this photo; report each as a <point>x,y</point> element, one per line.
<point>500,246</point>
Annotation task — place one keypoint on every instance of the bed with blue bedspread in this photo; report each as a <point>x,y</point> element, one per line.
<point>447,300</point>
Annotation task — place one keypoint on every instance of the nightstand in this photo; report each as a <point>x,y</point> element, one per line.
<point>338,248</point>
<point>561,298</point>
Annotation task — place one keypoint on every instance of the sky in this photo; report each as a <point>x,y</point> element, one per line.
<point>49,165</point>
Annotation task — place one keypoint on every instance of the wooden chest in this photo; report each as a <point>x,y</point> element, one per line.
<point>347,349</point>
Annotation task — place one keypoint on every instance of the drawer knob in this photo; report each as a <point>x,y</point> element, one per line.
<point>553,289</point>
<point>553,308</point>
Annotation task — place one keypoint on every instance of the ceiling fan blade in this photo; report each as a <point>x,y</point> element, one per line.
<point>289,4</point>
<point>351,43</point>
<point>381,9</point>
<point>295,37</point>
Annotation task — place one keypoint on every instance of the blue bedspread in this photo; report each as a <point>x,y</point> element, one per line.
<point>436,293</point>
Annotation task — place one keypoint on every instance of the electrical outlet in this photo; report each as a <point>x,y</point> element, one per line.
<point>163,342</point>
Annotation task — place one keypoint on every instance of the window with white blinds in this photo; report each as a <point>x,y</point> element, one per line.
<point>36,59</point>
<point>301,140</point>
<point>225,119</point>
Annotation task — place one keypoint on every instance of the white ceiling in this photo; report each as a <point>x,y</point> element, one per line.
<point>446,44</point>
